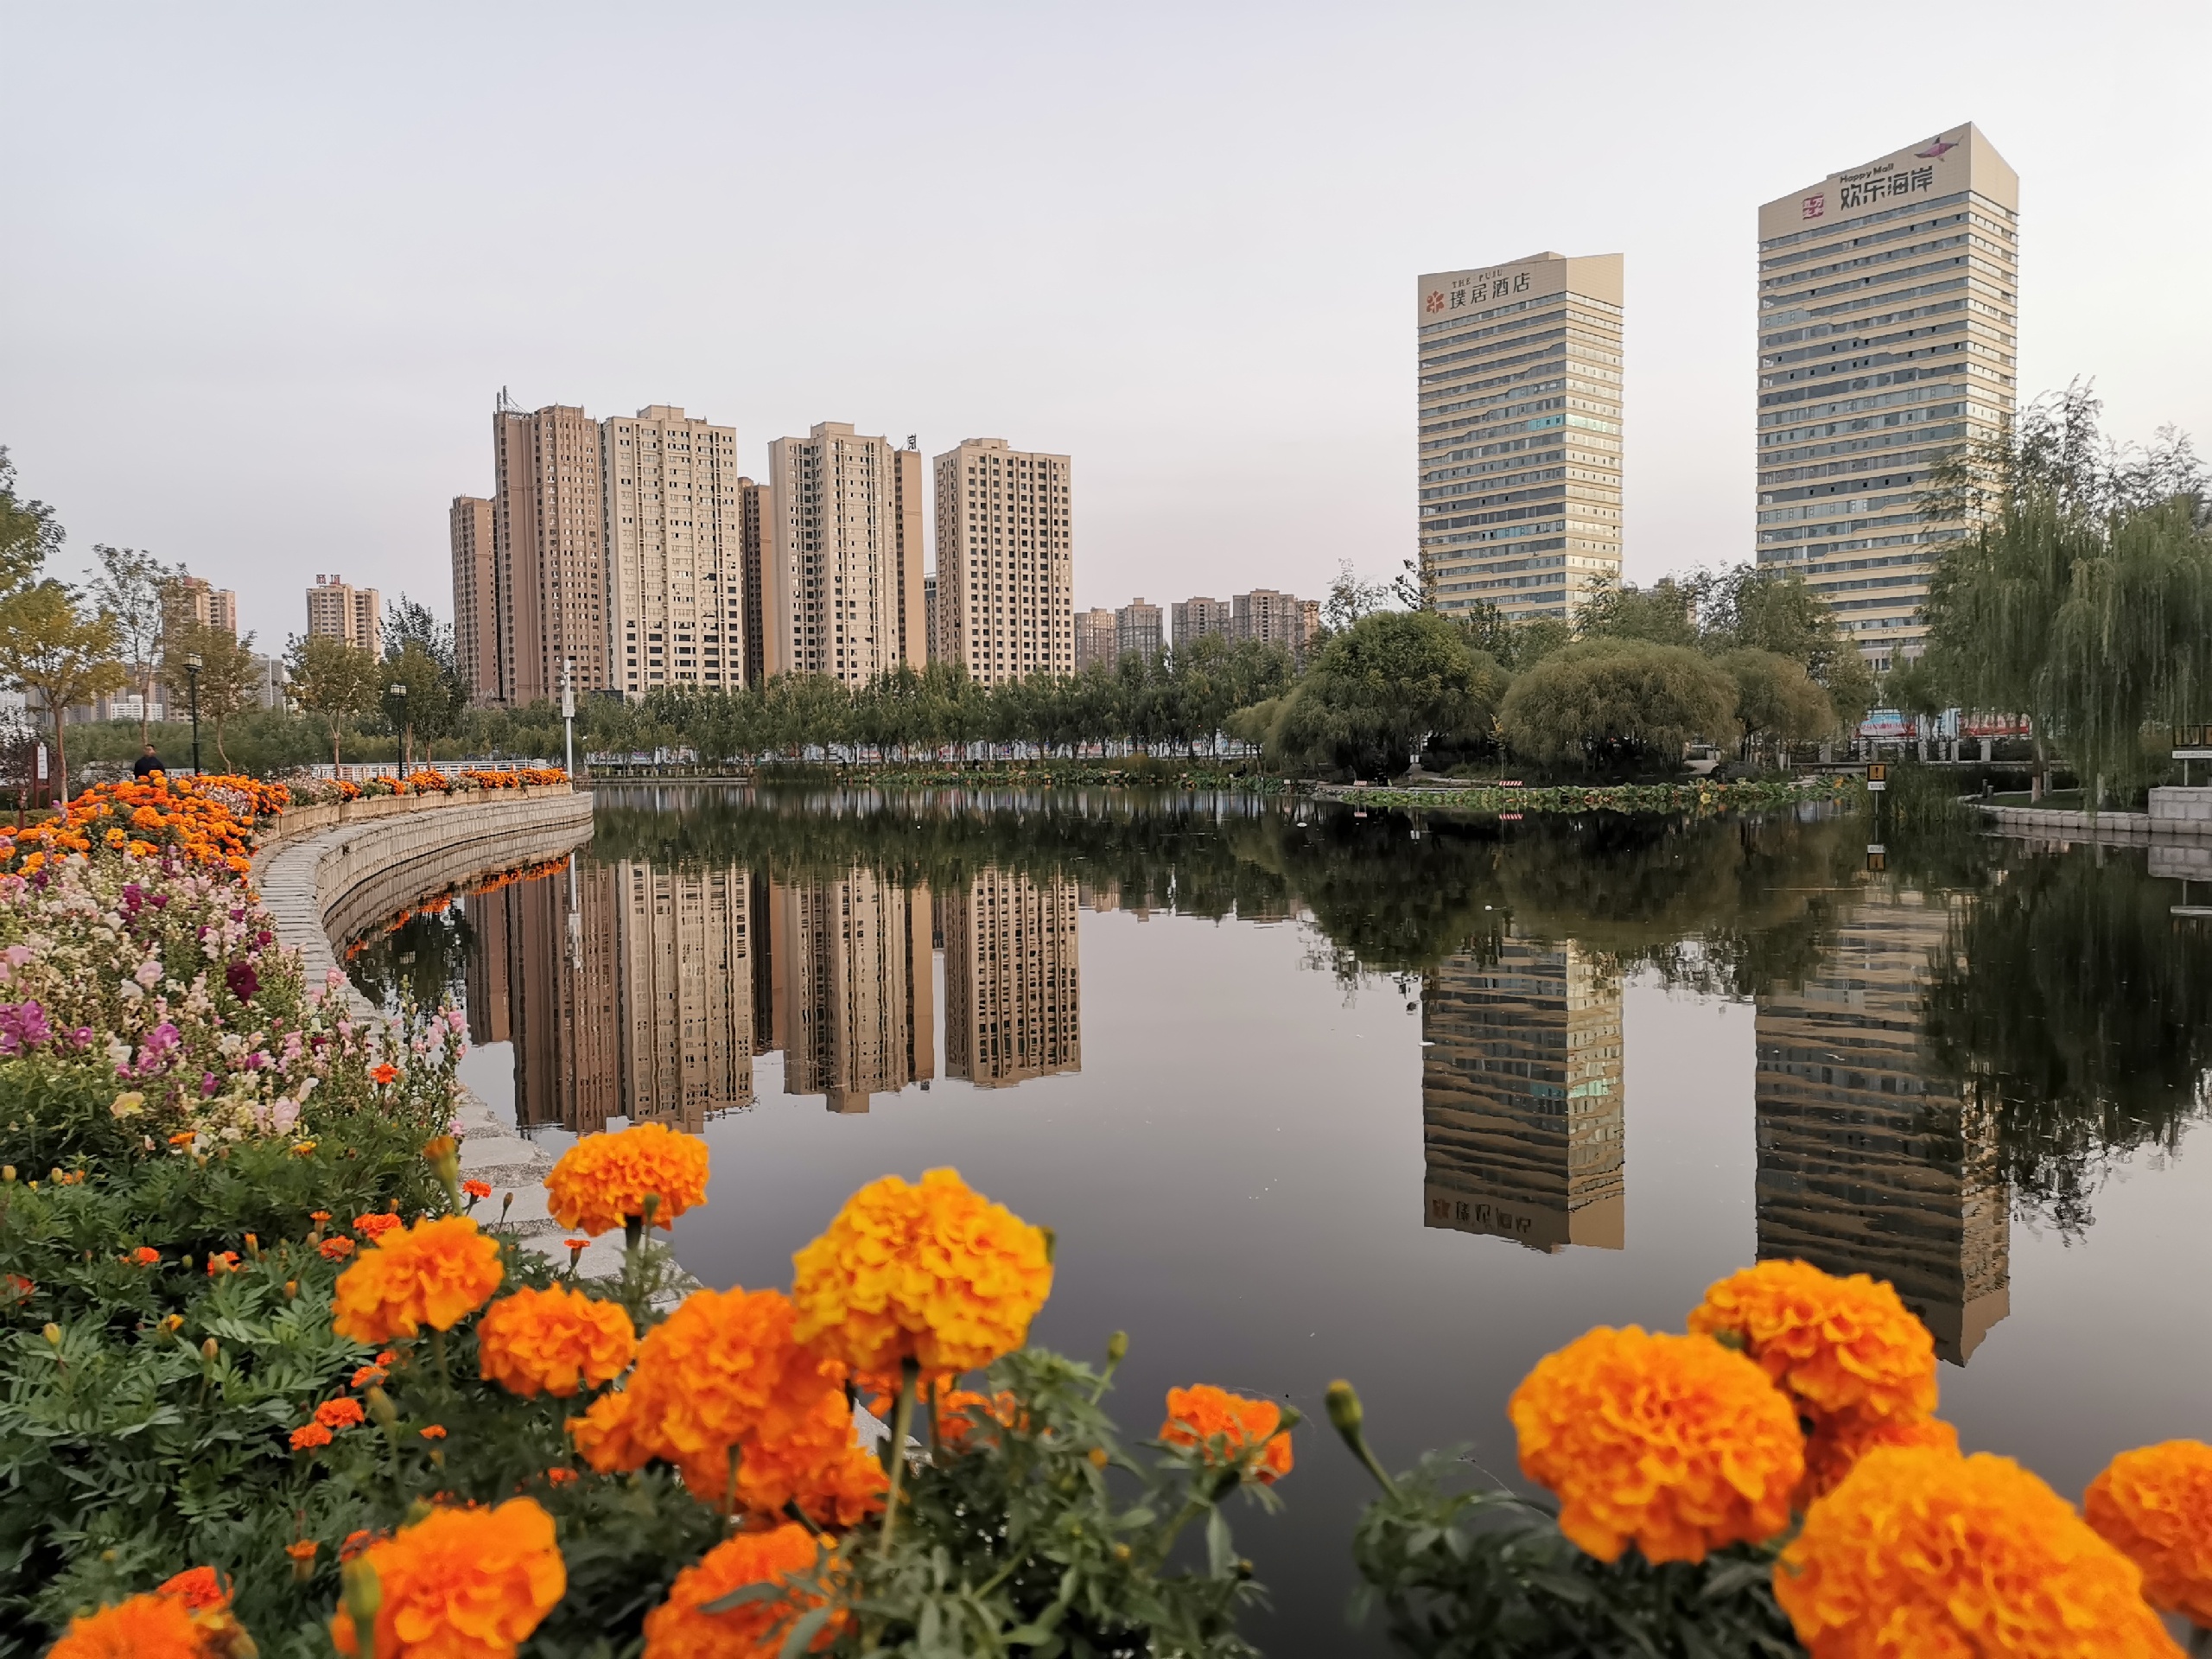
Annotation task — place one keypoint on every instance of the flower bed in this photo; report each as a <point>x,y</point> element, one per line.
<point>424,781</point>
<point>267,1380</point>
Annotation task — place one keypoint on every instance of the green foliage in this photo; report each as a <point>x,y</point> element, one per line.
<point>1777,700</point>
<point>29,531</point>
<point>1485,1574</point>
<point>1044,1536</point>
<point>1617,705</point>
<point>333,681</point>
<point>1659,615</point>
<point>1381,691</point>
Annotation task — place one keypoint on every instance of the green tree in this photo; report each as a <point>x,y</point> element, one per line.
<point>229,678</point>
<point>51,647</point>
<point>333,681</point>
<point>1748,608</point>
<point>1381,690</point>
<point>132,585</point>
<point>415,693</point>
<point>1660,614</point>
<point>28,531</point>
<point>1617,705</point>
<point>1777,700</point>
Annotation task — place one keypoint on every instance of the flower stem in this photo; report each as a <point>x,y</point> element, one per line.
<point>902,1423</point>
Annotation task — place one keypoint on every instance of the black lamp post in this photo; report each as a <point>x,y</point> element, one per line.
<point>398,690</point>
<point>192,665</point>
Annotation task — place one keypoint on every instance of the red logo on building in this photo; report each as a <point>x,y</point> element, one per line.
<point>1814,207</point>
<point>1436,299</point>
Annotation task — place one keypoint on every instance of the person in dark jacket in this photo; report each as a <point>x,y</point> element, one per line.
<point>147,763</point>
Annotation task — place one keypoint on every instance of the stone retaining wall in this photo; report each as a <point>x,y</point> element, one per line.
<point>303,821</point>
<point>2112,829</point>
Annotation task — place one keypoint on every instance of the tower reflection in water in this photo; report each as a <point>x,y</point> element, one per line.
<point>1869,1159</point>
<point>630,990</point>
<point>1522,1102</point>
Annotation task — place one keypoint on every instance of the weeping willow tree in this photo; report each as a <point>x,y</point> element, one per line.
<point>2082,598</point>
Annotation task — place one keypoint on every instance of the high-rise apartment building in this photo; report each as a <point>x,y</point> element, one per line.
<point>1005,560</point>
<point>1194,618</point>
<point>475,601</point>
<point>1520,444</point>
<point>929,613</point>
<point>1095,638</point>
<point>675,550</point>
<point>340,611</point>
<point>842,591</point>
<point>1889,300</point>
<point>1273,619</point>
<point>1523,1119</point>
<point>685,995</point>
<point>1870,1157</point>
<point>1139,630</point>
<point>1012,991</point>
<point>196,600</point>
<point>550,572</point>
<point>755,531</point>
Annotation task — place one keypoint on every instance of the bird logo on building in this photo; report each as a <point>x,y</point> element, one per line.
<point>1936,151</point>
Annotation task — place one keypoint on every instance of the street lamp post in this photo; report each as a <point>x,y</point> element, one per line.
<point>568,713</point>
<point>192,666</point>
<point>399,689</point>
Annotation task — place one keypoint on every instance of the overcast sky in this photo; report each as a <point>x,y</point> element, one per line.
<point>267,267</point>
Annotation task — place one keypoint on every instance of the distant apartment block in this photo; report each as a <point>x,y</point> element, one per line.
<point>1519,434</point>
<point>1139,630</point>
<point>675,548</point>
<point>1095,638</point>
<point>1005,560</point>
<point>841,595</point>
<point>337,610</point>
<point>854,1014</point>
<point>929,614</point>
<point>1888,304</point>
<point>1194,618</point>
<point>1273,619</point>
<point>201,602</point>
<point>550,568</point>
<point>755,529</point>
<point>475,596</point>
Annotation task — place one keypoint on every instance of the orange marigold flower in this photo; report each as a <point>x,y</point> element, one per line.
<point>302,1549</point>
<point>1675,1443</point>
<point>677,1629</point>
<point>467,1583</point>
<point>2154,1506</point>
<point>434,1431</point>
<point>336,1250</point>
<point>145,1255</point>
<point>376,1223</point>
<point>435,1273</point>
<point>1230,1428</point>
<point>477,1189</point>
<point>1833,1345</point>
<point>196,1587</point>
<point>604,1179</point>
<point>961,1413</point>
<point>551,1341</point>
<point>1924,1552</point>
<point>385,1072</point>
<point>559,1476</point>
<point>935,1273</point>
<point>318,1215</point>
<point>222,1262</point>
<point>339,1413</point>
<point>367,1376</point>
<point>308,1436</point>
<point>145,1627</point>
<point>724,1370</point>
<point>1833,1448</point>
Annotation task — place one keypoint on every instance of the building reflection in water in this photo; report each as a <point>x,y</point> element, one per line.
<point>1522,1103</point>
<point>629,990</point>
<point>1011,984</point>
<point>1868,1160</point>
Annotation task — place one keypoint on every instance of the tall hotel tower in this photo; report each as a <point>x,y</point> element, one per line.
<point>1888,313</point>
<point>1521,434</point>
<point>842,593</point>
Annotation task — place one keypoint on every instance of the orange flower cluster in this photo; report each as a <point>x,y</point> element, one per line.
<point>522,778</point>
<point>1921,1552</point>
<point>209,820</point>
<point>935,1273</point>
<point>723,1372</point>
<point>435,1274</point>
<point>677,1629</point>
<point>1230,1428</point>
<point>472,1583</point>
<point>2154,1506</point>
<point>550,1341</point>
<point>1858,1367</point>
<point>604,1179</point>
<point>189,1616</point>
<point>1675,1443</point>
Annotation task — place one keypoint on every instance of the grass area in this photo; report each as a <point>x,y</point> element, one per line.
<point>2058,800</point>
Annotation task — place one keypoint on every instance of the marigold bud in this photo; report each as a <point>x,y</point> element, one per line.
<point>1344,1406</point>
<point>53,1334</point>
<point>7,1173</point>
<point>381,1409</point>
<point>211,1349</point>
<point>1117,1347</point>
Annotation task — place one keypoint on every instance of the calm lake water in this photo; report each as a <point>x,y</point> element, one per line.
<point>1307,1093</point>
